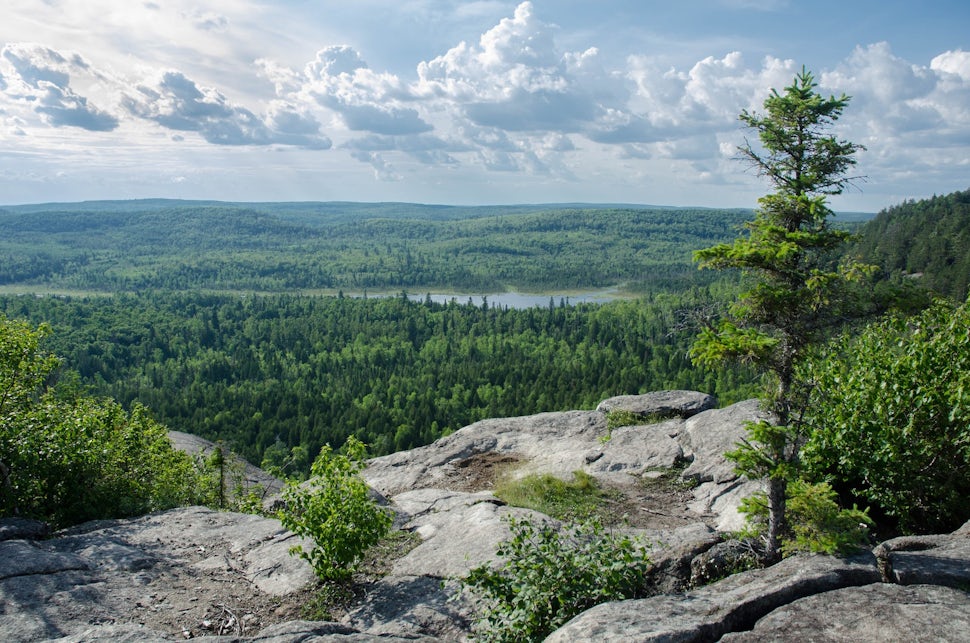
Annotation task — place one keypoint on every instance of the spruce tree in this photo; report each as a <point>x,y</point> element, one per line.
<point>796,292</point>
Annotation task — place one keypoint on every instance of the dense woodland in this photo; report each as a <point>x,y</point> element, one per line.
<point>282,371</point>
<point>928,240</point>
<point>318,247</point>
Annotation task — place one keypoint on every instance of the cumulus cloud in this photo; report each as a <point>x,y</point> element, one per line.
<point>956,63</point>
<point>382,170</point>
<point>176,102</point>
<point>901,109</point>
<point>63,108</point>
<point>40,77</point>
<point>516,79</point>
<point>340,80</point>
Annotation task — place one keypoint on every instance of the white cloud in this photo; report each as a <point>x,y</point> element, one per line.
<point>340,80</point>
<point>953,62</point>
<point>38,79</point>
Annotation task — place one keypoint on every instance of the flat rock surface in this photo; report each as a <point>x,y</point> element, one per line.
<point>169,572</point>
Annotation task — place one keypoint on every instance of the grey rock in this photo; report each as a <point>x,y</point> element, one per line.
<point>671,554</point>
<point>941,559</point>
<point>459,531</point>
<point>708,613</point>
<point>660,404</point>
<point>879,612</point>
<point>527,438</point>
<point>710,434</point>
<point>721,501</point>
<point>127,633</point>
<point>561,443</point>
<point>16,528</point>
<point>632,451</point>
<point>26,558</point>
<point>160,573</point>
<point>412,606</point>
<point>316,632</point>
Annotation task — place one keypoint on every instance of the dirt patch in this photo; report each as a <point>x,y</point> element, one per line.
<point>658,501</point>
<point>480,471</point>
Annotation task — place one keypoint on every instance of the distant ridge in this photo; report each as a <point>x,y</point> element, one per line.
<point>101,205</point>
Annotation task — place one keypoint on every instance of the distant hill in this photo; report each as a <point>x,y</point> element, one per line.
<point>111,246</point>
<point>927,239</point>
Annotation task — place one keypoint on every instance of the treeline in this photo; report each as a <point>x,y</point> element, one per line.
<point>286,371</point>
<point>928,240</point>
<point>329,247</point>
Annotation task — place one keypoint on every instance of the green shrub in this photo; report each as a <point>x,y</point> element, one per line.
<point>816,523</point>
<point>66,458</point>
<point>335,510</point>
<point>550,575</point>
<point>891,423</point>
<point>553,496</point>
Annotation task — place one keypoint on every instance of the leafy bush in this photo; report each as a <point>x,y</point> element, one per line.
<point>816,523</point>
<point>335,510</point>
<point>550,575</point>
<point>553,496</point>
<point>891,424</point>
<point>65,457</point>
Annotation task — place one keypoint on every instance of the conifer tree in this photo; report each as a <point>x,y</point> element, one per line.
<point>796,295</point>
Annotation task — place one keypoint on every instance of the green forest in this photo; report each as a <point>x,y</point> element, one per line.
<point>927,240</point>
<point>272,248</point>
<point>288,370</point>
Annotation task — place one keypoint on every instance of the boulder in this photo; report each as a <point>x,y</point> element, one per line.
<point>412,607</point>
<point>878,612</point>
<point>660,404</point>
<point>707,436</point>
<point>940,559</point>
<point>458,530</point>
<point>15,527</point>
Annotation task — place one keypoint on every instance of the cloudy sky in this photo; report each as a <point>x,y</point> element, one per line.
<point>465,102</point>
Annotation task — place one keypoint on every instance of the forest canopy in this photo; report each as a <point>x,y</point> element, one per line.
<point>275,372</point>
<point>332,247</point>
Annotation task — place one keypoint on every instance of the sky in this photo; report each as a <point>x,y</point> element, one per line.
<point>467,103</point>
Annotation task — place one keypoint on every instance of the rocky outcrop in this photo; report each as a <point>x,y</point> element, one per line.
<point>194,572</point>
<point>708,613</point>
<point>251,478</point>
<point>816,598</point>
<point>561,443</point>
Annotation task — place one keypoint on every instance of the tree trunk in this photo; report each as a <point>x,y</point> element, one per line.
<point>777,492</point>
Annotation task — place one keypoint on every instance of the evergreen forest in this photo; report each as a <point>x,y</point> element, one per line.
<point>266,373</point>
<point>926,240</point>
